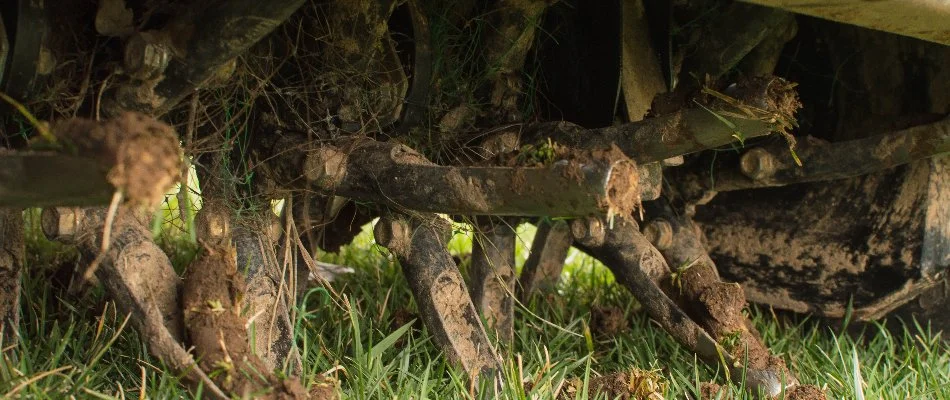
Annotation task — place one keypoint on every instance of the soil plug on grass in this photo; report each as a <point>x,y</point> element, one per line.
<point>630,385</point>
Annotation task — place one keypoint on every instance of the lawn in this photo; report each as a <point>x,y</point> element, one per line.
<point>363,332</point>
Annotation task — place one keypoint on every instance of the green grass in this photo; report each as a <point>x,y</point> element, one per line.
<point>79,347</point>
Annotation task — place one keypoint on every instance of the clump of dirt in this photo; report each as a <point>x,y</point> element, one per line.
<point>403,316</point>
<point>212,301</point>
<point>608,321</point>
<point>400,318</point>
<point>767,97</point>
<point>805,392</point>
<point>325,388</point>
<point>637,384</point>
<point>767,93</point>
<point>142,154</point>
<point>623,186</point>
<point>713,391</point>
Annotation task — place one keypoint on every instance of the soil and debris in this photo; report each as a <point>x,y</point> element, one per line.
<point>635,384</point>
<point>608,322</point>
<point>212,301</point>
<point>713,391</point>
<point>142,154</point>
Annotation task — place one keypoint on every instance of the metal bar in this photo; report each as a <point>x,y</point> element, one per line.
<point>921,19</point>
<point>31,179</point>
<point>763,106</point>
<point>204,38</point>
<point>395,175</point>
<point>821,161</point>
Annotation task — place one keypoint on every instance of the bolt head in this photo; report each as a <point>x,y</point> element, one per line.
<point>660,233</point>
<point>325,167</point>
<point>61,223</point>
<point>392,233</point>
<point>213,222</point>
<point>144,59</point>
<point>757,164</point>
<point>589,231</point>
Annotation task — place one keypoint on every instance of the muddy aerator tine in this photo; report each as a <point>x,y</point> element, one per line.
<point>269,302</point>
<point>440,292</point>
<point>12,255</point>
<point>492,275</point>
<point>138,276</point>
<point>714,304</point>
<point>639,266</point>
<point>542,269</point>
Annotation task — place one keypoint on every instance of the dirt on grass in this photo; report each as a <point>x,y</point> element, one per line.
<point>635,384</point>
<point>805,392</point>
<point>608,322</point>
<point>712,391</point>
